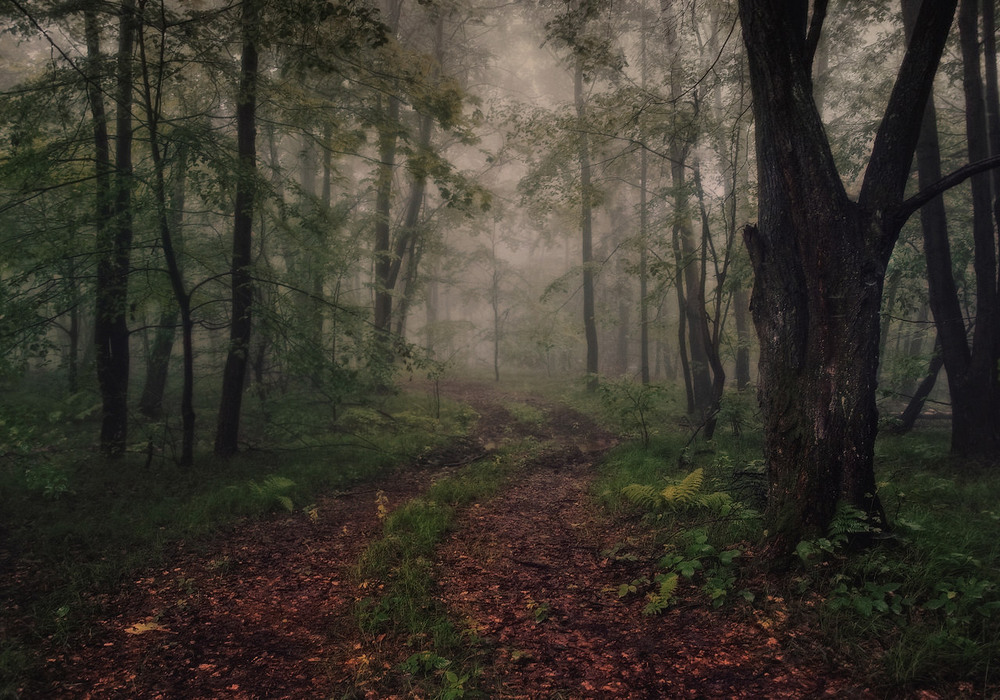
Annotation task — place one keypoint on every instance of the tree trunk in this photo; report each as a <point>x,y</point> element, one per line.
<point>586,229</point>
<point>167,228</point>
<point>974,429</point>
<point>819,262</point>
<point>234,374</point>
<point>741,303</point>
<point>158,362</point>
<point>643,268</point>
<point>909,416</point>
<point>976,412</point>
<point>387,137</point>
<point>111,334</point>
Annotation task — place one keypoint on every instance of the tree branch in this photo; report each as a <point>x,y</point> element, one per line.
<point>907,208</point>
<point>815,30</point>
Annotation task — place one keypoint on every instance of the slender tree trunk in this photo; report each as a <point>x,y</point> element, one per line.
<point>234,374</point>
<point>111,333</point>
<point>167,228</point>
<point>741,304</point>
<point>976,422</point>
<point>682,330</point>
<point>586,229</point>
<point>908,418</point>
<point>158,362</point>
<point>387,137</point>
<point>643,269</point>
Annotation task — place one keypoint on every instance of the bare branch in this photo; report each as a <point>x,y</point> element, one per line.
<point>907,208</point>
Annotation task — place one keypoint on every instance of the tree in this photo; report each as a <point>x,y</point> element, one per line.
<point>227,430</point>
<point>970,364</point>
<point>819,261</point>
<point>114,242</point>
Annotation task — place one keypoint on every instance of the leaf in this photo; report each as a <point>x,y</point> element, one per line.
<point>143,627</point>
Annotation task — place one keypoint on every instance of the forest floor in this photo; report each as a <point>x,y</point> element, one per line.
<point>268,609</point>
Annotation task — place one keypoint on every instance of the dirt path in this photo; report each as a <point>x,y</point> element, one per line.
<point>529,571</point>
<point>267,611</point>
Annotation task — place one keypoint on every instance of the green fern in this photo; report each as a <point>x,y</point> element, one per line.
<point>848,520</point>
<point>717,501</point>
<point>271,492</point>
<point>660,600</point>
<point>683,493</point>
<point>680,495</point>
<point>643,495</point>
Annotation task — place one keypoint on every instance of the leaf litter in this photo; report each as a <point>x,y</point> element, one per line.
<point>266,610</point>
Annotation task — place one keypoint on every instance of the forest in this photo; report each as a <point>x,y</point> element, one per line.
<point>538,349</point>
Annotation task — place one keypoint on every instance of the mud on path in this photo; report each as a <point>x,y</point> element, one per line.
<point>267,611</point>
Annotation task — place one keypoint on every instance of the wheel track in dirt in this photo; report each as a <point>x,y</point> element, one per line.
<point>267,610</point>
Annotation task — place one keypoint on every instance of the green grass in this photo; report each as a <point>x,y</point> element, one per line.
<point>398,568</point>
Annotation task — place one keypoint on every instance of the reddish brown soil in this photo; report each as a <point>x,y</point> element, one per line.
<point>266,611</point>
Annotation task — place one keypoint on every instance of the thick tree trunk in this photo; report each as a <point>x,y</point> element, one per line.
<point>586,230</point>
<point>819,262</point>
<point>234,374</point>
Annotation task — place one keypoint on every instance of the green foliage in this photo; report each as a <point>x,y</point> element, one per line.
<point>933,595</point>
<point>847,520</point>
<point>272,493</point>
<point>683,494</point>
<point>660,599</point>
<point>49,479</point>
<point>635,407</point>
<point>91,523</point>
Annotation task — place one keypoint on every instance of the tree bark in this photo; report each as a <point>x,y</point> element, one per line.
<point>819,262</point>
<point>908,418</point>
<point>586,229</point>
<point>976,413</point>
<point>234,373</point>
<point>158,362</point>
<point>974,428</point>
<point>111,334</point>
<point>167,229</point>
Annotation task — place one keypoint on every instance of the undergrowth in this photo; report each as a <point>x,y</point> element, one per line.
<point>920,609</point>
<point>82,525</point>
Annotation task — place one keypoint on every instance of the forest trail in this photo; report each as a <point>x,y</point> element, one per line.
<point>268,610</point>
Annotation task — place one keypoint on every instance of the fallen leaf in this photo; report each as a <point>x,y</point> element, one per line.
<point>143,627</point>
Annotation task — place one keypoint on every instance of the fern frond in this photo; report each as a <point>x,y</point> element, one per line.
<point>848,520</point>
<point>642,495</point>
<point>717,501</point>
<point>683,493</point>
<point>661,600</point>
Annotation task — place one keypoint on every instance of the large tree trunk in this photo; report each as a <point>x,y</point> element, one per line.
<point>586,229</point>
<point>111,334</point>
<point>234,374</point>
<point>819,262</point>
